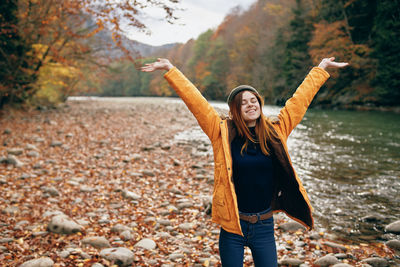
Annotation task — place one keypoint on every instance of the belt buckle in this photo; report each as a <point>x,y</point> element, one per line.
<point>253,218</point>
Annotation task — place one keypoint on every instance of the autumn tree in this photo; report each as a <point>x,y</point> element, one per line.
<point>54,36</point>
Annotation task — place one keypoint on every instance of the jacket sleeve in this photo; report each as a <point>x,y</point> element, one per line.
<point>295,108</point>
<point>207,117</point>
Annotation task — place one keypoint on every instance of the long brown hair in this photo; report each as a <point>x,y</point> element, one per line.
<point>264,129</point>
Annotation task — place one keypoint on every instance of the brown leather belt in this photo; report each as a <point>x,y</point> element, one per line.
<point>254,218</point>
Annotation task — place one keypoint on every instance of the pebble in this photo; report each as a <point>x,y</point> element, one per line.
<point>130,195</point>
<point>64,254</point>
<point>126,235</point>
<point>376,262</point>
<point>12,160</point>
<point>41,262</point>
<point>119,228</point>
<point>31,147</point>
<point>51,190</point>
<point>97,265</point>
<point>394,227</point>
<point>164,222</point>
<point>97,242</point>
<point>184,205</point>
<point>290,261</point>
<point>393,244</point>
<point>33,154</point>
<point>121,255</point>
<point>175,256</point>
<point>148,173</point>
<point>342,265</point>
<point>15,151</point>
<point>326,261</point>
<point>10,210</point>
<point>62,224</point>
<point>7,131</point>
<point>6,240</point>
<point>334,245</point>
<point>341,256</point>
<point>146,243</point>
<point>291,226</point>
<point>56,143</point>
<point>87,189</point>
<point>186,226</point>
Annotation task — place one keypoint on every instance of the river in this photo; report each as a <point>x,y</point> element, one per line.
<point>349,162</point>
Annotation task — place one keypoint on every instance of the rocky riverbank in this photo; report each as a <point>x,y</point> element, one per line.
<point>96,183</point>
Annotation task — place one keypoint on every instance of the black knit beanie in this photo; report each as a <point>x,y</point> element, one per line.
<point>239,89</point>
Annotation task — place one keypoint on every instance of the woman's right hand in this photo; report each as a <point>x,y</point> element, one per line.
<point>160,64</point>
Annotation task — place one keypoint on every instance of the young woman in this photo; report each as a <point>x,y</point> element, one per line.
<point>253,174</point>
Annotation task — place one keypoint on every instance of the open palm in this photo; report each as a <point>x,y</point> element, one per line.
<point>160,64</point>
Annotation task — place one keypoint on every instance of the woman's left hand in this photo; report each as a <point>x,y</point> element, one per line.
<point>330,63</point>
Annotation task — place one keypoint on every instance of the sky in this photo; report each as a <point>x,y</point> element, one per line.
<point>196,17</point>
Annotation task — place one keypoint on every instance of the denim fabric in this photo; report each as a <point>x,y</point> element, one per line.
<point>259,237</point>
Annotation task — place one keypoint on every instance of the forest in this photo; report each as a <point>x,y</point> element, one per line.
<point>271,46</point>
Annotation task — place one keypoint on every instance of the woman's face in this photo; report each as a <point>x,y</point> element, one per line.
<point>250,108</point>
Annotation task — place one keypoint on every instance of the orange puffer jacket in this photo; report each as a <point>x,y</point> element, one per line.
<point>289,194</point>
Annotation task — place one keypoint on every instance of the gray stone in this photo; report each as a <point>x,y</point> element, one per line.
<point>126,235</point>
<point>394,227</point>
<point>130,195</point>
<point>31,147</point>
<point>62,224</point>
<point>50,190</point>
<point>184,205</point>
<point>97,265</point>
<point>33,154</point>
<point>6,240</point>
<point>146,243</point>
<point>119,228</point>
<point>12,160</point>
<point>290,261</point>
<point>164,222</point>
<point>393,244</point>
<point>55,143</point>
<point>326,261</point>
<point>341,256</point>
<point>148,173</point>
<point>186,226</point>
<point>334,245</point>
<point>342,265</point>
<point>7,131</point>
<point>15,151</point>
<point>120,256</point>
<point>175,256</point>
<point>41,262</point>
<point>96,241</point>
<point>291,226</point>
<point>87,189</point>
<point>10,210</point>
<point>64,254</point>
<point>376,262</point>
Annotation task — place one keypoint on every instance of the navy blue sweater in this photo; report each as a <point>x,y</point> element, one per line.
<point>252,175</point>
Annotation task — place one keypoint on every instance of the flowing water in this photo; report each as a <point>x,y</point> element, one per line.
<point>349,162</point>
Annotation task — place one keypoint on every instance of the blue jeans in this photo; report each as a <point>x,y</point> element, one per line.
<point>259,237</point>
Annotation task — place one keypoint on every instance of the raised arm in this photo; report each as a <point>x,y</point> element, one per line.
<point>295,108</point>
<point>205,114</point>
